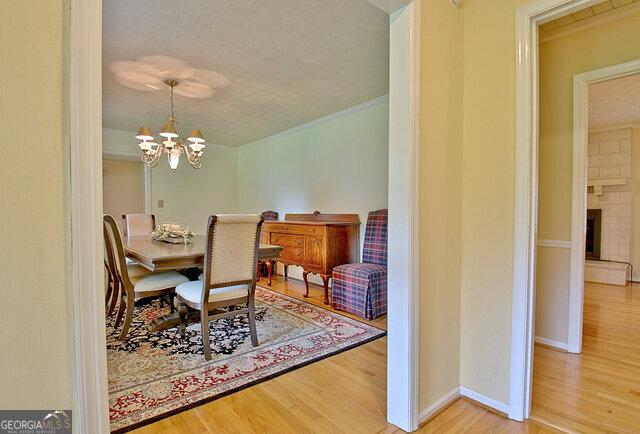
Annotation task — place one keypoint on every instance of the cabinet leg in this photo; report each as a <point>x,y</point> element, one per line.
<point>306,283</point>
<point>269,271</point>
<point>286,271</point>
<point>325,284</point>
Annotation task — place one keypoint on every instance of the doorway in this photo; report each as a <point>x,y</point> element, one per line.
<point>86,188</point>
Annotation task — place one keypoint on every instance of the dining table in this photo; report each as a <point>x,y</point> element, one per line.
<point>156,255</point>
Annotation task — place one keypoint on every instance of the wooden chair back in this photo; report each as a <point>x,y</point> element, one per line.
<point>110,260</point>
<point>135,225</point>
<point>231,255</point>
<point>113,232</point>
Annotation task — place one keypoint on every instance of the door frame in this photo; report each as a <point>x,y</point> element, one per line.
<point>528,18</point>
<point>85,136</point>
<point>581,84</point>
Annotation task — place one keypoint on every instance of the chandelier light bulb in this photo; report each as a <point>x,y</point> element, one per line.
<point>152,151</point>
<point>174,159</point>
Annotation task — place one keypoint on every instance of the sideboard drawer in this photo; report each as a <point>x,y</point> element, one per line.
<point>295,229</point>
<point>292,253</point>
<point>287,240</point>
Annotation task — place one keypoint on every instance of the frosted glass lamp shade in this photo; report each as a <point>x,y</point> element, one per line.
<point>174,159</point>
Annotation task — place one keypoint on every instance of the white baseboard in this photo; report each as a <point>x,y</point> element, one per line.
<point>551,343</point>
<point>485,400</point>
<point>440,403</point>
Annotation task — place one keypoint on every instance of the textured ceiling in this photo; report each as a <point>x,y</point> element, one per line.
<point>614,102</point>
<point>287,62</point>
<point>602,8</point>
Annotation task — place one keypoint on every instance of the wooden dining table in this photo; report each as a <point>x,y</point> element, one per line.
<point>161,255</point>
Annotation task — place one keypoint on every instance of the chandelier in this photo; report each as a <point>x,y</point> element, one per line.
<point>171,146</point>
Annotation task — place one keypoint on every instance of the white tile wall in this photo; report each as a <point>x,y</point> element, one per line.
<point>609,155</point>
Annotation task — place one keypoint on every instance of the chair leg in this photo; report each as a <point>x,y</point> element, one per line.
<point>182,313</point>
<point>269,272</point>
<point>128,318</point>
<point>121,308</point>
<point>115,294</point>
<point>107,294</point>
<point>258,274</point>
<point>204,323</point>
<point>252,323</point>
<point>172,306</point>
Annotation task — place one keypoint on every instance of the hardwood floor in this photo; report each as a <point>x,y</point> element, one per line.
<point>598,390</point>
<point>344,393</point>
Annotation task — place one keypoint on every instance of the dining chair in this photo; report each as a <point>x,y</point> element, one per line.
<point>112,281</point>
<point>137,285</point>
<point>135,225</point>
<point>229,280</point>
<point>268,215</point>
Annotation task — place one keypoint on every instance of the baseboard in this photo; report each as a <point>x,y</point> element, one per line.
<point>441,404</point>
<point>484,400</point>
<point>551,343</point>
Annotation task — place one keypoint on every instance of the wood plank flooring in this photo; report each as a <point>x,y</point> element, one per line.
<point>598,390</point>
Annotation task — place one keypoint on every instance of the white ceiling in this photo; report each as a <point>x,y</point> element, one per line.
<point>614,102</point>
<point>286,61</point>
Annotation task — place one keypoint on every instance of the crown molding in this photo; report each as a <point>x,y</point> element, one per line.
<point>317,121</point>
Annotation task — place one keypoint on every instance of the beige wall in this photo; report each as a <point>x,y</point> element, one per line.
<point>560,60</point>
<point>36,358</point>
<point>122,187</point>
<point>488,195</point>
<point>440,199</point>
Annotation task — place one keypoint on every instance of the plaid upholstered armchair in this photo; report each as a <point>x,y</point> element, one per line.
<point>361,288</point>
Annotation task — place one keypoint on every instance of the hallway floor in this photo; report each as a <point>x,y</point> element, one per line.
<point>598,390</point>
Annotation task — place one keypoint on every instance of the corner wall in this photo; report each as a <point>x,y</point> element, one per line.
<point>337,164</point>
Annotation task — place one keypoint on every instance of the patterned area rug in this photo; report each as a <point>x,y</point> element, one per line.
<point>155,375</point>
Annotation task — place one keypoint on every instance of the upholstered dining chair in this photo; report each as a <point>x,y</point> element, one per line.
<point>361,288</point>
<point>135,225</point>
<point>268,215</point>
<point>136,284</point>
<point>229,280</point>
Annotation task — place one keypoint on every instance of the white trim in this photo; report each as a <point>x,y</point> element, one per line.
<point>579,191</point>
<point>557,244</point>
<point>85,135</point>
<point>528,17</point>
<point>616,127</point>
<point>317,121</point>
<point>484,399</point>
<point>403,243</point>
<point>439,404</point>
<point>551,343</point>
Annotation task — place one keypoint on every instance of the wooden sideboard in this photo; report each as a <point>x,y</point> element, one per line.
<point>316,242</point>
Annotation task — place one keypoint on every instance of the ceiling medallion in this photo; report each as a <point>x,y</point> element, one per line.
<point>152,151</point>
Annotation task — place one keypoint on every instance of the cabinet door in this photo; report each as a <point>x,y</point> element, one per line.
<point>264,237</point>
<point>313,251</point>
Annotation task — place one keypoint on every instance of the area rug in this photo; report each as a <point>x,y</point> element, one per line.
<point>155,375</point>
